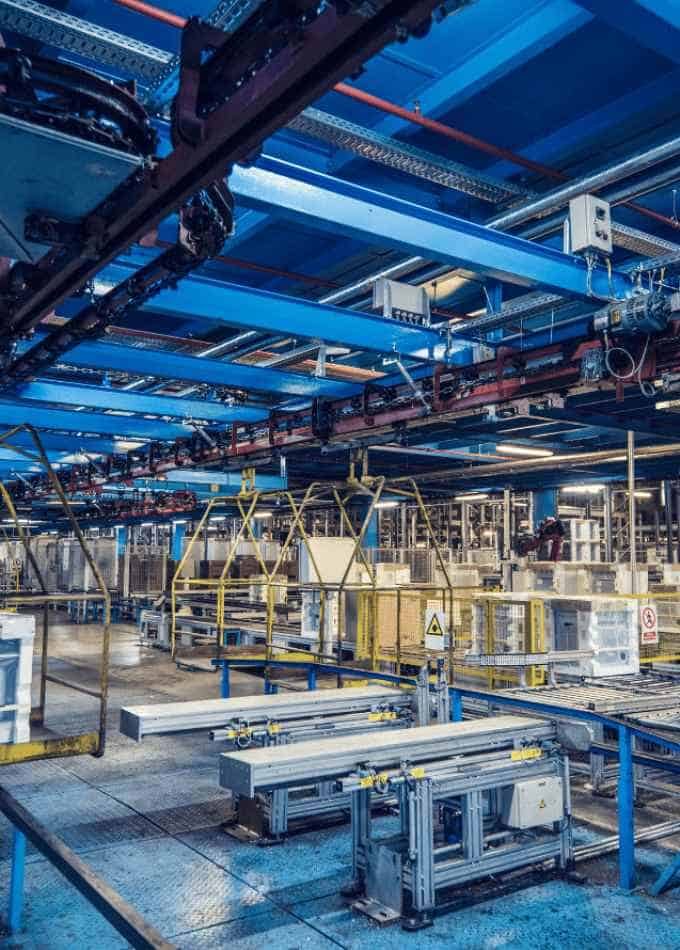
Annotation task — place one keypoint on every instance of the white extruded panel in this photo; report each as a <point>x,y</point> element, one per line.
<point>245,772</point>
<point>161,718</point>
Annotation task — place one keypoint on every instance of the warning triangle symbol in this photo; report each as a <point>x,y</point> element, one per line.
<point>434,628</point>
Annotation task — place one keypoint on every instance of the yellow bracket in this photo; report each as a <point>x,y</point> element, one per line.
<point>86,744</point>
<point>517,755</point>
<point>368,781</point>
<point>247,481</point>
<point>386,716</point>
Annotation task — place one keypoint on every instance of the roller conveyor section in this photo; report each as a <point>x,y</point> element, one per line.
<point>254,770</point>
<point>163,718</point>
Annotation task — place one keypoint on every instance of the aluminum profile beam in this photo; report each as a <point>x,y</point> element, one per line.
<point>274,767</point>
<point>98,397</point>
<point>64,31</point>
<point>163,718</point>
<point>163,364</point>
<point>361,213</point>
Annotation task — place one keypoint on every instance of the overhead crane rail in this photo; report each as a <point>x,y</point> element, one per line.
<point>227,104</point>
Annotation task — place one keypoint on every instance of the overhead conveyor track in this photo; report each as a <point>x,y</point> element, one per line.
<point>240,119</point>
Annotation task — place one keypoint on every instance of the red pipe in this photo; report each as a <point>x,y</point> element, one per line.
<point>472,141</point>
<point>154,13</point>
<point>410,115</point>
<point>446,130</point>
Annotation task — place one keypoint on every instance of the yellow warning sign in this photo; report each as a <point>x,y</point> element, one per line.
<point>434,628</point>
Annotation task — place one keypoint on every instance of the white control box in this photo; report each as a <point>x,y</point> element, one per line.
<point>590,225</point>
<point>401,301</point>
<point>537,801</point>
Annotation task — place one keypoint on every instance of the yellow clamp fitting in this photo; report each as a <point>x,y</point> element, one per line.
<point>273,728</point>
<point>241,731</point>
<point>386,716</point>
<point>417,772</point>
<point>368,781</point>
<point>518,754</point>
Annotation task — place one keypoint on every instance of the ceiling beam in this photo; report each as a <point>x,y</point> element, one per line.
<point>329,203</point>
<point>655,428</point>
<point>656,29</point>
<point>120,400</point>
<point>15,412</point>
<point>163,364</point>
<point>231,304</point>
<point>520,40</point>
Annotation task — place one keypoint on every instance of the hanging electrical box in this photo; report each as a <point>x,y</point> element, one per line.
<point>589,225</point>
<point>401,301</point>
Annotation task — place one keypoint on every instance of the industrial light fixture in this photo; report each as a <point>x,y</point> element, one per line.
<point>147,524</point>
<point>261,515</point>
<point>473,496</point>
<point>386,504</point>
<point>582,489</point>
<point>529,450</point>
<point>218,517</point>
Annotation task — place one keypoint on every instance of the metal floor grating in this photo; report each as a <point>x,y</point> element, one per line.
<point>148,816</point>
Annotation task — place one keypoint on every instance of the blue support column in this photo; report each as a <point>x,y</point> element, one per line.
<point>16,886</point>
<point>311,678</point>
<point>121,539</point>
<point>177,543</point>
<point>666,878</point>
<point>225,685</point>
<point>370,539</point>
<point>456,706</point>
<point>545,505</point>
<point>625,811</point>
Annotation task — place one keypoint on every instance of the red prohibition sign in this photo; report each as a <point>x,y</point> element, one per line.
<point>648,617</point>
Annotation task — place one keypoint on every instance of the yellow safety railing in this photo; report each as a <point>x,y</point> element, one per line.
<point>52,746</point>
<point>217,590</point>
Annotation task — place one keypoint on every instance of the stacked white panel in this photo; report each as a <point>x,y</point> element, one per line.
<point>17,632</point>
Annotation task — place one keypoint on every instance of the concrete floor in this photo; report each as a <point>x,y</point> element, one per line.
<point>147,819</point>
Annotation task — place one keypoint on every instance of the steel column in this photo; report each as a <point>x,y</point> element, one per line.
<point>632,532</point>
<point>16,885</point>
<point>608,528</point>
<point>626,814</point>
<point>671,552</point>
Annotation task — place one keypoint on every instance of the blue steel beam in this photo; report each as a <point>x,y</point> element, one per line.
<point>99,397</point>
<point>655,28</point>
<point>331,204</point>
<point>639,101</point>
<point>73,443</point>
<point>263,481</point>
<point>522,38</point>
<point>261,310</point>
<point>191,369</point>
<point>14,412</point>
